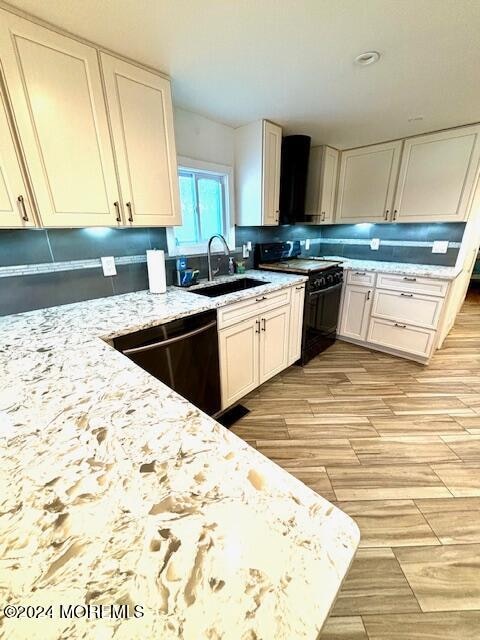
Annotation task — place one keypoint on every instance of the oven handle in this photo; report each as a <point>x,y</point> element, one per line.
<point>164,343</point>
<point>317,293</point>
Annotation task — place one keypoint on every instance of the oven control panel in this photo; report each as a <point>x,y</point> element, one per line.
<point>326,279</point>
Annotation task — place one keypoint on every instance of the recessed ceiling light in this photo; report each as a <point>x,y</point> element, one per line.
<point>369,57</point>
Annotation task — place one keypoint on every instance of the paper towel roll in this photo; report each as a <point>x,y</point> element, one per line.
<point>156,271</point>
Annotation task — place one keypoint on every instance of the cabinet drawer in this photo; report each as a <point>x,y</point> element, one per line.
<point>239,311</point>
<point>402,337</point>
<point>413,284</point>
<point>407,308</point>
<point>365,278</point>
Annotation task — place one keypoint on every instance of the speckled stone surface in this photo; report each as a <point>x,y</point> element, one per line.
<point>117,490</point>
<point>427,270</point>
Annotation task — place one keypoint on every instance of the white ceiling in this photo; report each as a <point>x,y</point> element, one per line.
<point>292,60</point>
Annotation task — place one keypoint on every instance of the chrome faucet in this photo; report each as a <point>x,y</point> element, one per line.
<point>211,273</point>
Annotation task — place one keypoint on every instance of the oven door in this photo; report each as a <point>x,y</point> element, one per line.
<point>320,320</point>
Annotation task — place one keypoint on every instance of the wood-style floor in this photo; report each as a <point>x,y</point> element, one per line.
<point>397,446</point>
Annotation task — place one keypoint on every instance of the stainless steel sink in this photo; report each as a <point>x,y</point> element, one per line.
<point>222,288</point>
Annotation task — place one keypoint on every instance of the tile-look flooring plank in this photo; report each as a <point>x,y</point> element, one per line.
<point>375,584</point>
<point>402,449</point>
<point>390,523</point>
<point>451,625</point>
<point>462,479</point>
<point>444,578</point>
<point>308,452</point>
<point>466,447</point>
<point>386,482</point>
<point>300,428</point>
<point>454,520</point>
<point>417,425</point>
<point>439,405</point>
<point>357,407</point>
<point>316,478</point>
<point>350,628</point>
<point>266,428</point>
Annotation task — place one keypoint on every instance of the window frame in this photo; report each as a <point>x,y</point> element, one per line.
<point>226,171</point>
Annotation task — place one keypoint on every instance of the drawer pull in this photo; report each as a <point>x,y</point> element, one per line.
<point>407,295</point>
<point>261,299</point>
<point>401,326</point>
<point>298,288</point>
<point>409,279</point>
<point>360,273</point>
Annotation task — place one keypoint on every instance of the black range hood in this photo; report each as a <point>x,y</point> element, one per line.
<point>293,178</point>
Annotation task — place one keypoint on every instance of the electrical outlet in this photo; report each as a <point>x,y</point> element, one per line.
<point>249,245</point>
<point>440,246</point>
<point>307,244</point>
<point>245,251</point>
<point>108,266</point>
<point>374,244</point>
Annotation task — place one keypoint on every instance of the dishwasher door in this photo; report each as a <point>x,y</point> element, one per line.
<point>183,354</point>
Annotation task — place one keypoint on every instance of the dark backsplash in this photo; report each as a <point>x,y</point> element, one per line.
<point>31,247</point>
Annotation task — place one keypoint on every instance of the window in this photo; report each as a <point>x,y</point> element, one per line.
<point>206,202</point>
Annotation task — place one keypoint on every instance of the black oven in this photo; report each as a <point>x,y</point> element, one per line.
<point>322,304</point>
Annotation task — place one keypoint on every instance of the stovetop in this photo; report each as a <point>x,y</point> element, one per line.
<point>299,265</point>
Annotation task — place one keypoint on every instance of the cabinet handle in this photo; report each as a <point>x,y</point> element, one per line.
<point>260,299</point>
<point>360,273</point>
<point>401,326</point>
<point>298,288</point>
<point>395,211</point>
<point>23,209</point>
<point>130,214</point>
<point>368,294</point>
<point>323,216</point>
<point>118,217</point>
<point>385,217</point>
<point>409,279</point>
<point>407,295</point>
<point>257,324</point>
<point>264,328</point>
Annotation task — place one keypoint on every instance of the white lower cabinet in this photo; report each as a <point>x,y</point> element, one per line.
<point>296,323</point>
<point>357,302</point>
<point>256,348</point>
<point>239,372</point>
<point>416,341</point>
<point>274,342</point>
<point>399,313</point>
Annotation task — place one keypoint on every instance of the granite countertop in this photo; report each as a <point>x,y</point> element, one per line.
<point>116,490</point>
<point>427,270</point>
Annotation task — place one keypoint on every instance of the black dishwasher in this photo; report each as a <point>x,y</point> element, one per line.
<point>183,354</point>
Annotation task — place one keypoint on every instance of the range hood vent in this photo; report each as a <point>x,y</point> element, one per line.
<point>293,178</point>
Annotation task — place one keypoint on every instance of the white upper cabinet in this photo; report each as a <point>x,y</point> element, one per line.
<point>257,173</point>
<point>437,175</point>
<point>140,110</point>
<point>56,93</point>
<point>15,207</point>
<point>367,182</point>
<point>321,184</point>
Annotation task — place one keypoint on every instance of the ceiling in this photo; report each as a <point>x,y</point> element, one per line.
<point>291,61</point>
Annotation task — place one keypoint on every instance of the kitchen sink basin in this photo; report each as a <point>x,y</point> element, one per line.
<point>222,288</point>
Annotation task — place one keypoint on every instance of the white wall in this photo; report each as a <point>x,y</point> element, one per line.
<point>203,139</point>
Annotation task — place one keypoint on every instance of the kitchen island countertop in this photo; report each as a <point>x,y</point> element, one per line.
<point>116,490</point>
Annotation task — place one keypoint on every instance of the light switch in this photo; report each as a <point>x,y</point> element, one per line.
<point>307,244</point>
<point>374,244</point>
<point>440,246</point>
<point>108,266</point>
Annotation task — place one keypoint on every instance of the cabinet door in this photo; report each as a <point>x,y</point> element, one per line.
<point>15,207</point>
<point>296,323</point>
<point>238,346</point>
<point>367,183</point>
<point>274,342</point>
<point>140,109</point>
<point>57,98</point>
<point>328,186</point>
<point>357,302</point>
<point>437,175</point>
<point>272,147</point>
